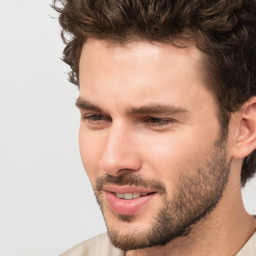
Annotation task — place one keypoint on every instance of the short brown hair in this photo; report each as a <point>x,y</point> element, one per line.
<point>224,30</point>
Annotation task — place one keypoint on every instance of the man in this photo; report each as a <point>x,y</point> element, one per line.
<point>168,122</point>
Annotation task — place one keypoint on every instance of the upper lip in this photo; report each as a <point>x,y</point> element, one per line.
<point>127,189</point>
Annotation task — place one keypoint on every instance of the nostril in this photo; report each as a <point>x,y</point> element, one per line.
<point>120,163</point>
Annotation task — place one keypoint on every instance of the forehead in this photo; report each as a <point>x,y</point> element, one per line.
<point>141,72</point>
<point>139,52</point>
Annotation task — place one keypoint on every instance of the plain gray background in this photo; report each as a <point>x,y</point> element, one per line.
<point>47,204</point>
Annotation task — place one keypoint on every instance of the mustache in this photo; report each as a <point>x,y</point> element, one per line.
<point>131,180</point>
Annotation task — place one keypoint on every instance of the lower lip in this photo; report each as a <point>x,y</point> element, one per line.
<point>127,207</point>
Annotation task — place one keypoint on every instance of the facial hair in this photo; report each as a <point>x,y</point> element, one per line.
<point>196,194</point>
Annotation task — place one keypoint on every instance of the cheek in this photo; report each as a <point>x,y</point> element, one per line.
<point>174,155</point>
<point>90,154</point>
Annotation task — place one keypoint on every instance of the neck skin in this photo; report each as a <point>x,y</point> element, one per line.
<point>223,232</point>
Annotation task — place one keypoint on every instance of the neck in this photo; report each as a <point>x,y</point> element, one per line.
<point>223,232</point>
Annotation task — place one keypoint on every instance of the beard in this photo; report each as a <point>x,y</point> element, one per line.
<point>195,195</point>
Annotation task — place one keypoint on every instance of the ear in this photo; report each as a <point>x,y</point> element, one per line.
<point>245,135</point>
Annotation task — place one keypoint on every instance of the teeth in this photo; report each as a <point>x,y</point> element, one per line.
<point>120,195</point>
<point>129,196</point>
<point>135,195</point>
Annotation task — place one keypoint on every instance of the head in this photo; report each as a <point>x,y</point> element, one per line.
<point>159,82</point>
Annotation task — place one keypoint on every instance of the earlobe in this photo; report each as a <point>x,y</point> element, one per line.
<point>245,141</point>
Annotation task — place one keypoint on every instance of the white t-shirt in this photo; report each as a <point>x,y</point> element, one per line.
<point>101,246</point>
<point>249,248</point>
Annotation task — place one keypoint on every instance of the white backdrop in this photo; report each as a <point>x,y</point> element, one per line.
<point>46,201</point>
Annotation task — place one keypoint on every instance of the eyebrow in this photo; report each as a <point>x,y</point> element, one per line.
<point>159,109</point>
<point>86,105</point>
<point>151,109</point>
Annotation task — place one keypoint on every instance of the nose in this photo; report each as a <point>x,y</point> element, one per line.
<point>120,154</point>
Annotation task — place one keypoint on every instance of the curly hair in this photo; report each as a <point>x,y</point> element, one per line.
<point>224,30</point>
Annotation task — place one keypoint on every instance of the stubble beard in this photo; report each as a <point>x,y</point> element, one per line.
<point>195,196</point>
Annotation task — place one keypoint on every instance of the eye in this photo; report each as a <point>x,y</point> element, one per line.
<point>96,121</point>
<point>156,121</point>
<point>94,117</point>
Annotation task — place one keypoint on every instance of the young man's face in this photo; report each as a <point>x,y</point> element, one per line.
<point>150,140</point>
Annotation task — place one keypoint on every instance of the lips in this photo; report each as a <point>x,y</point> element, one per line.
<point>127,200</point>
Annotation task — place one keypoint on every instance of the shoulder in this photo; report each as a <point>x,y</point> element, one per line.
<point>98,245</point>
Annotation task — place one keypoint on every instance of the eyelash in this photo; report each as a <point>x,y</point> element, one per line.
<point>149,120</point>
<point>93,117</point>
<point>158,121</point>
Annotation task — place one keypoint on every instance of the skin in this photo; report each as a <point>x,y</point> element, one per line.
<point>116,140</point>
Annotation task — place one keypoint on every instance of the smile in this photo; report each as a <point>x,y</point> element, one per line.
<point>129,196</point>
<point>127,200</point>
